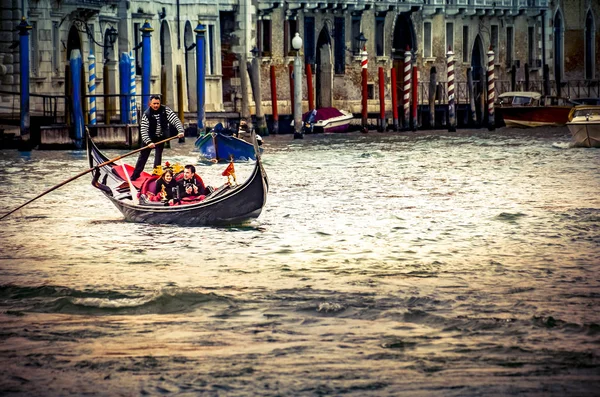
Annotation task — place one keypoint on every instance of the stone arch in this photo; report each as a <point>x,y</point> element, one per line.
<point>324,72</point>
<point>74,43</point>
<point>590,46</point>
<point>166,63</point>
<point>404,37</point>
<point>190,66</point>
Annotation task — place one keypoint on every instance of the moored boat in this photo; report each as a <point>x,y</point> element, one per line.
<point>327,120</point>
<point>219,147</point>
<point>227,205</point>
<point>531,109</point>
<point>584,125</point>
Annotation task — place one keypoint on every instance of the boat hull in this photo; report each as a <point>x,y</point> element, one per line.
<point>223,148</point>
<point>534,116</point>
<point>585,134</point>
<point>228,205</point>
<point>335,124</point>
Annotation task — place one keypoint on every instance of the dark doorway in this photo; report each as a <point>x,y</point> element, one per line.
<point>590,33</point>
<point>479,83</point>
<point>228,59</point>
<point>404,38</point>
<point>324,70</point>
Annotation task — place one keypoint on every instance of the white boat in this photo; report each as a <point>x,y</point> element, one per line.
<point>584,124</point>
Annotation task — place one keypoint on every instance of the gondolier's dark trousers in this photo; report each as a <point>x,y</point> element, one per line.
<point>141,161</point>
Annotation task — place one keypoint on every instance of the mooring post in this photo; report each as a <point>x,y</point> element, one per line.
<point>491,91</point>
<point>364,64</point>
<point>291,74</point>
<point>406,89</point>
<point>298,125</point>
<point>382,120</point>
<point>146,30</point>
<point>471,89</point>
<point>513,78</point>
<point>451,98</point>
<point>132,89</point>
<point>180,103</point>
<point>395,98</point>
<point>310,88</point>
<point>200,78</point>
<point>76,63</point>
<point>92,87</point>
<point>24,27</point>
<point>124,87</point>
<point>415,95</point>
<point>546,73</point>
<point>432,91</point>
<point>261,124</point>
<point>274,100</point>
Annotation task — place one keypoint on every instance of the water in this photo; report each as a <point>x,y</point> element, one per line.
<point>383,264</point>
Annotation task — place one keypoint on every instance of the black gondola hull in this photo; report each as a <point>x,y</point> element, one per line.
<point>229,205</point>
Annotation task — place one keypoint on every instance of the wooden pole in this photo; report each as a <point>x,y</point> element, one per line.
<point>274,100</point>
<point>309,83</point>
<point>382,120</point>
<point>395,98</point>
<point>432,90</point>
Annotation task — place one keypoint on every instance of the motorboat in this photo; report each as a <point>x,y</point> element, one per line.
<point>584,125</point>
<point>326,120</point>
<point>531,109</point>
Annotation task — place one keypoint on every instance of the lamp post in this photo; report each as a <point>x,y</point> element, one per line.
<point>297,44</point>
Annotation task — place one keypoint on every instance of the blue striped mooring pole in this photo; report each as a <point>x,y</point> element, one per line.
<point>76,64</point>
<point>92,87</point>
<point>146,62</point>
<point>24,29</point>
<point>132,90</point>
<point>200,62</point>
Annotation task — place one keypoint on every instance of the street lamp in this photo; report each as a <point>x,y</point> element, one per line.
<point>362,41</point>
<point>296,45</point>
<point>111,36</point>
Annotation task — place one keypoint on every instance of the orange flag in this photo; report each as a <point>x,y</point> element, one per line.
<point>230,172</point>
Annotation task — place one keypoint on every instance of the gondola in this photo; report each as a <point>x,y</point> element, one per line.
<point>227,205</point>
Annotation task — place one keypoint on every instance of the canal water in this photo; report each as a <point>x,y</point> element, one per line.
<point>417,264</point>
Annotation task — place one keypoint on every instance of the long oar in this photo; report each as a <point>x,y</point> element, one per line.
<point>82,173</point>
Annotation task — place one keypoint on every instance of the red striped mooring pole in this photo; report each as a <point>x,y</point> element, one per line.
<point>274,100</point>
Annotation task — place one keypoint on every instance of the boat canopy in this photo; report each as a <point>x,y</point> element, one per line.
<point>526,94</point>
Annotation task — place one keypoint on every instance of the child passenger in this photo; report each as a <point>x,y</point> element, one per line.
<point>166,187</point>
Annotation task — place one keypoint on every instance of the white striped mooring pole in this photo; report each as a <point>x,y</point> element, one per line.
<point>406,88</point>
<point>132,90</point>
<point>491,90</point>
<point>451,97</point>
<point>92,87</point>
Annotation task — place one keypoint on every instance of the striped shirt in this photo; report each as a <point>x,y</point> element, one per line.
<point>171,119</point>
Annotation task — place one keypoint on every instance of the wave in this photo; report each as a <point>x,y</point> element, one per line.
<point>57,299</point>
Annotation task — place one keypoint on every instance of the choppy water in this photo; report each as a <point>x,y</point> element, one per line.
<point>420,264</point>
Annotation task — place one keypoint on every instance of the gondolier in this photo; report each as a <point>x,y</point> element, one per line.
<point>154,128</point>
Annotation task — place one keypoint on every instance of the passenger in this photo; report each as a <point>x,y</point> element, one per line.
<point>167,188</point>
<point>154,127</point>
<point>188,185</point>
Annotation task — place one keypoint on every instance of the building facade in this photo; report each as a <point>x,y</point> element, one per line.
<point>524,35</point>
